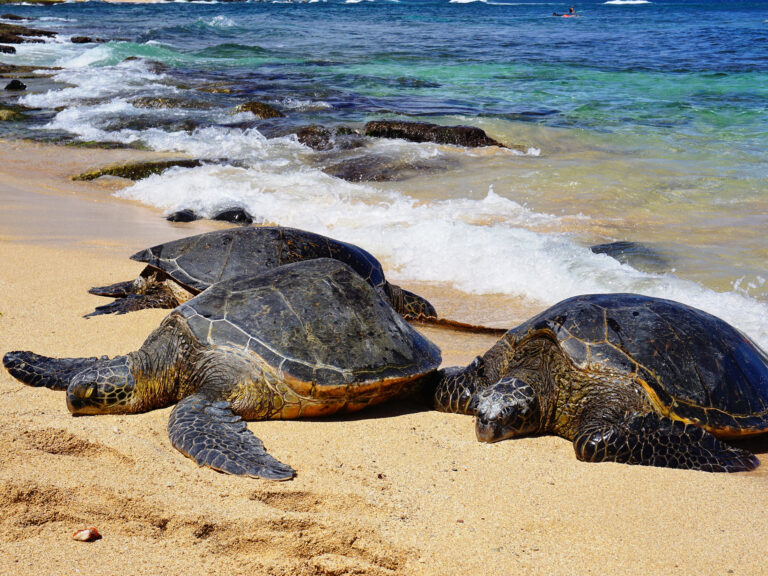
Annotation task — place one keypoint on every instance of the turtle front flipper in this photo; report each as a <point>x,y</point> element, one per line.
<point>213,435</point>
<point>160,298</point>
<point>117,290</point>
<point>127,304</point>
<point>54,373</point>
<point>654,440</point>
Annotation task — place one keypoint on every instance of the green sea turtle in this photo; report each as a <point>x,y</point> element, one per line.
<point>178,270</point>
<point>627,378</point>
<point>303,340</point>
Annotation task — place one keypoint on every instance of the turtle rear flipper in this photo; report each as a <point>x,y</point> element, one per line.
<point>117,290</point>
<point>54,373</point>
<point>213,435</point>
<point>414,308</point>
<point>654,440</point>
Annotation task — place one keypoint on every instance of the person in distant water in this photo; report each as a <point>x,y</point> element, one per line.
<point>571,12</point>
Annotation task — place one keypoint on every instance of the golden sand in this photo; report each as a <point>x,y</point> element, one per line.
<point>388,491</point>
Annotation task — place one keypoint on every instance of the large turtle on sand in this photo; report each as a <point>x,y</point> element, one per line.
<point>176,271</point>
<point>627,378</point>
<point>304,340</point>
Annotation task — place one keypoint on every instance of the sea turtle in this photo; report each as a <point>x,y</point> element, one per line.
<point>178,270</point>
<point>303,340</point>
<point>627,378</point>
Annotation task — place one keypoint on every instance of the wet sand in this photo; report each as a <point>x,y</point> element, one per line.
<point>392,490</point>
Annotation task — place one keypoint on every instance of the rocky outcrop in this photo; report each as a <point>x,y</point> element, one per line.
<point>378,168</point>
<point>7,50</point>
<point>259,109</point>
<point>467,136</point>
<point>159,102</point>
<point>316,137</point>
<point>8,115</point>
<point>138,170</point>
<point>16,34</point>
<point>86,40</point>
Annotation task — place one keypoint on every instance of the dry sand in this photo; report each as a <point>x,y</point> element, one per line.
<point>388,491</point>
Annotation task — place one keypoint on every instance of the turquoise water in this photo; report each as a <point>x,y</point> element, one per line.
<point>644,122</point>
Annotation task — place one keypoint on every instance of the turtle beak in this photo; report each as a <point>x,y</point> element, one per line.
<point>488,431</point>
<point>78,399</point>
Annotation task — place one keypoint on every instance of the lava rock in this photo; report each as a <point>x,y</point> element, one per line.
<point>259,109</point>
<point>86,40</point>
<point>316,137</point>
<point>185,215</point>
<point>138,170</point>
<point>15,85</point>
<point>235,216</point>
<point>14,34</point>
<point>467,136</point>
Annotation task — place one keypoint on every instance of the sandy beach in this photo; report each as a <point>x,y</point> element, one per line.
<point>391,491</point>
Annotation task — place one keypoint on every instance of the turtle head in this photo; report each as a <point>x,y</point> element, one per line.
<point>105,388</point>
<point>506,409</point>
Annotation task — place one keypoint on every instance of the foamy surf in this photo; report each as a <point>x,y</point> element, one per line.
<point>445,241</point>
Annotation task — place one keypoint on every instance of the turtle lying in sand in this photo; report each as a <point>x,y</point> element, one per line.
<point>304,340</point>
<point>178,270</point>
<point>627,378</point>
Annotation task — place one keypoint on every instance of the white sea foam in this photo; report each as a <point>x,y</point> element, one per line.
<point>218,22</point>
<point>86,82</point>
<point>479,246</point>
<point>620,2</point>
<point>304,105</point>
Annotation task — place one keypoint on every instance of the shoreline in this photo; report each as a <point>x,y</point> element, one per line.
<point>385,491</point>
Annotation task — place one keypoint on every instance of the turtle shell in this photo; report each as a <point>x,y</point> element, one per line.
<point>318,322</point>
<point>694,366</point>
<point>198,261</point>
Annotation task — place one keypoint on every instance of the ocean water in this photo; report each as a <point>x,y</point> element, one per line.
<point>640,121</point>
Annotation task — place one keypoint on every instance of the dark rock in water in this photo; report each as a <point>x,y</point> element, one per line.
<point>468,136</point>
<point>185,215</point>
<point>234,215</point>
<point>259,109</point>
<point>316,137</point>
<point>7,50</point>
<point>15,85</point>
<point>13,17</point>
<point>13,71</point>
<point>8,115</point>
<point>164,103</point>
<point>14,34</point>
<point>138,170</point>
<point>375,168</point>
<point>169,123</point>
<point>639,256</point>
<point>86,40</point>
